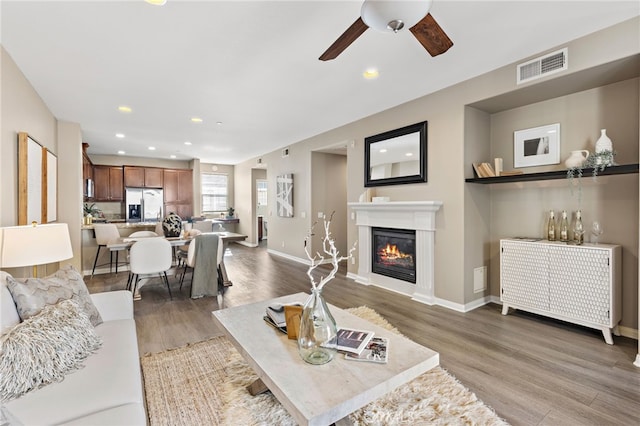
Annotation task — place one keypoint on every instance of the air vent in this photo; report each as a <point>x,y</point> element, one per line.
<point>285,152</point>
<point>543,66</point>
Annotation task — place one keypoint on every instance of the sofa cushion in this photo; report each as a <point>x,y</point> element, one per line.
<point>110,378</point>
<point>130,414</point>
<point>8,312</point>
<point>45,347</point>
<point>32,294</point>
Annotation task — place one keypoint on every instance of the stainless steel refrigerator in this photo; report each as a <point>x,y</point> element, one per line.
<point>144,205</point>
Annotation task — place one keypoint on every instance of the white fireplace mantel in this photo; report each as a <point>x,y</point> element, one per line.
<point>415,215</point>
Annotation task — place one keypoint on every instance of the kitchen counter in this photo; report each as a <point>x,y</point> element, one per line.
<point>126,225</point>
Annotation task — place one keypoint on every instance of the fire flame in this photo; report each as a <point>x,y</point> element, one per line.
<point>391,252</point>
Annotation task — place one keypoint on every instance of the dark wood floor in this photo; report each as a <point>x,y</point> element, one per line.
<point>531,370</point>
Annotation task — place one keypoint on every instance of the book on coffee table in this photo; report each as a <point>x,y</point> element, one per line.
<point>277,315</point>
<point>376,351</point>
<point>352,340</point>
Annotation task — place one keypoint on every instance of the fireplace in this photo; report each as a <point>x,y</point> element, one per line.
<point>417,216</point>
<point>393,253</point>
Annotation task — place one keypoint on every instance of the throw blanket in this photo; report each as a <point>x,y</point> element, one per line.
<point>205,270</point>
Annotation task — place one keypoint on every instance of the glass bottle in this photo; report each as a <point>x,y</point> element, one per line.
<point>564,227</point>
<point>318,332</point>
<point>578,229</point>
<point>551,226</point>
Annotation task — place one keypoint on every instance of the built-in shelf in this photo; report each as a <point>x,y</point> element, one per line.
<point>556,174</point>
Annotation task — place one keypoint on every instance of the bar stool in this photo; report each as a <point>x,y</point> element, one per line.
<point>106,233</point>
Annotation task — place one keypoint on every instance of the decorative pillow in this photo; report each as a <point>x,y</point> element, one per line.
<point>45,347</point>
<point>33,294</point>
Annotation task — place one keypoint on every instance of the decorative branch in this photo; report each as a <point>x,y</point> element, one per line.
<point>329,249</point>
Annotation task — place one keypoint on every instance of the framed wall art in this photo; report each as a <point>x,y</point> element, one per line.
<point>284,195</point>
<point>537,146</point>
<point>37,182</point>
<point>396,157</point>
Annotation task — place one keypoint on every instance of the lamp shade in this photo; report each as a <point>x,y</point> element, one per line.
<point>34,245</point>
<point>380,14</point>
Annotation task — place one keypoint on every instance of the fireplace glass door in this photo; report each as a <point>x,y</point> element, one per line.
<point>394,253</point>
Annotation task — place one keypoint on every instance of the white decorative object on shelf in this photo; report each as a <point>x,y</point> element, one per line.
<point>380,199</point>
<point>603,143</point>
<point>579,284</point>
<point>576,159</point>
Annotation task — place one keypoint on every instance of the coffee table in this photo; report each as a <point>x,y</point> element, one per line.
<point>320,394</point>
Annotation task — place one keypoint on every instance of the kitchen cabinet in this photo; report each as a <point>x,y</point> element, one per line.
<point>579,284</point>
<point>178,192</point>
<point>143,177</point>
<point>109,183</point>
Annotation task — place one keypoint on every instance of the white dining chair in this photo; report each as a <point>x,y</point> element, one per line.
<point>149,257</point>
<point>189,262</point>
<point>140,234</point>
<point>106,233</point>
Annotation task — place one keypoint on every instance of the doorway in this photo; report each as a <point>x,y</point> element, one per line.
<point>261,209</point>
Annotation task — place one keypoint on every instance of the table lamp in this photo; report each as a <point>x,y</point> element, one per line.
<point>33,245</point>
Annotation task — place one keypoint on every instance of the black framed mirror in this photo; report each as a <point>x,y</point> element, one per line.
<point>396,157</point>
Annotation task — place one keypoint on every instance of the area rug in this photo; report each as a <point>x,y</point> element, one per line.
<point>205,383</point>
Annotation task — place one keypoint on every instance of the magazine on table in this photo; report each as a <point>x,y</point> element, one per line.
<point>268,320</point>
<point>352,340</point>
<point>276,313</point>
<point>376,351</point>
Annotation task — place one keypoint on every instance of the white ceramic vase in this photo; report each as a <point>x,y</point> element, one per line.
<point>603,143</point>
<point>576,159</point>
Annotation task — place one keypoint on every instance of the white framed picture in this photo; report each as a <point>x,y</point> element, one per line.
<point>284,195</point>
<point>537,146</point>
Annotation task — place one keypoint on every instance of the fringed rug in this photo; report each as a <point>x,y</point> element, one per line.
<point>205,383</point>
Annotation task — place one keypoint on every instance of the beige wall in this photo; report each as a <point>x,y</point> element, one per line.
<point>329,194</point>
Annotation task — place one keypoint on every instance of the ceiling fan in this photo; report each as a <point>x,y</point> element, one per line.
<point>393,16</point>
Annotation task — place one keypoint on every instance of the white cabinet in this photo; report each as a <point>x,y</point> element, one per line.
<point>578,284</point>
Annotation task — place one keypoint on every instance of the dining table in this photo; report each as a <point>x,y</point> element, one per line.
<point>227,237</point>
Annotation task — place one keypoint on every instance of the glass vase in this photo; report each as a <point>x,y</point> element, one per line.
<point>318,332</point>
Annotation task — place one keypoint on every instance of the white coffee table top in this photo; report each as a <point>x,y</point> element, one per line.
<point>320,394</point>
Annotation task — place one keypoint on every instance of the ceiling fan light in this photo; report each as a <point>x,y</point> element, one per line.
<point>384,15</point>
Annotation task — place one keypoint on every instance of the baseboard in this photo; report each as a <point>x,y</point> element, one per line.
<point>247,244</point>
<point>290,257</point>
<point>628,332</point>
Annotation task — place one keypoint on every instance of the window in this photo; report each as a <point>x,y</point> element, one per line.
<point>261,190</point>
<point>214,192</point>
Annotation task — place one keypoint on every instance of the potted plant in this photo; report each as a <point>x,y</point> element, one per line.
<point>90,211</point>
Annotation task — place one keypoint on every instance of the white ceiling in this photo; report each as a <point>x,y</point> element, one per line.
<point>253,66</point>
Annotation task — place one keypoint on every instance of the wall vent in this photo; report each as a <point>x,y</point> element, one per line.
<point>543,66</point>
<point>285,152</point>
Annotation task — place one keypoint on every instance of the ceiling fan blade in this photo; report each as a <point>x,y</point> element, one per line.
<point>431,36</point>
<point>353,32</point>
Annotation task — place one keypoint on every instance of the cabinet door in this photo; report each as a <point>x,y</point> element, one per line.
<point>185,186</point>
<point>101,183</point>
<point>580,283</point>
<point>133,177</point>
<point>153,177</point>
<point>116,184</point>
<point>185,211</point>
<point>524,274</point>
<point>170,186</point>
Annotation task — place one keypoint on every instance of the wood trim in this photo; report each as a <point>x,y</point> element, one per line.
<point>22,178</point>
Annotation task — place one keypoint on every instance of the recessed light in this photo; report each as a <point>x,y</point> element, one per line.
<point>196,120</point>
<point>409,154</point>
<point>152,148</point>
<point>219,123</point>
<point>121,152</point>
<point>172,156</point>
<point>120,135</point>
<point>124,108</point>
<point>157,2</point>
<point>187,143</point>
<point>371,74</point>
<point>383,150</point>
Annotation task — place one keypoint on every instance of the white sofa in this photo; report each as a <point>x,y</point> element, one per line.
<point>107,391</point>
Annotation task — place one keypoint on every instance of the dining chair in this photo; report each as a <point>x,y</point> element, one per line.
<point>192,256</point>
<point>106,233</point>
<point>149,257</point>
<point>142,234</point>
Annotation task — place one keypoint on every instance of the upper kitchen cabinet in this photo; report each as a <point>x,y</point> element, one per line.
<point>143,177</point>
<point>178,192</point>
<point>108,183</point>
